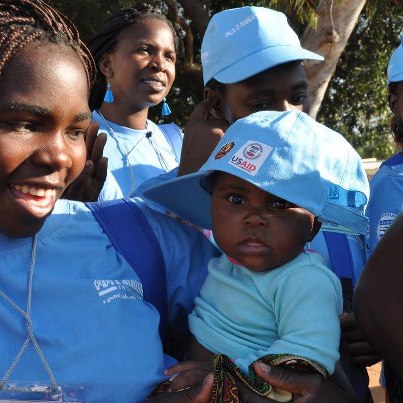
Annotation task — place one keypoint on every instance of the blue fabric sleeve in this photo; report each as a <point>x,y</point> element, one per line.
<point>186,254</point>
<point>111,190</point>
<point>385,204</point>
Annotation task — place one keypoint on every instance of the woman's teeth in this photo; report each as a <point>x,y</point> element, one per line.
<point>35,191</point>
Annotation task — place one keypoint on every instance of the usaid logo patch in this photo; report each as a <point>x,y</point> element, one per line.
<point>250,157</point>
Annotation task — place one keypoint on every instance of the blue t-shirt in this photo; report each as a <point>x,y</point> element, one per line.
<point>88,313</point>
<point>134,156</point>
<point>293,309</point>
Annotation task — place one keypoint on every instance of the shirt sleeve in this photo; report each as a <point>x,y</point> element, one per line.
<point>307,303</point>
<point>186,253</point>
<point>139,192</point>
<point>385,204</point>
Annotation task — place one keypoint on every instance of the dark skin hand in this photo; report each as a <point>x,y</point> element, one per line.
<point>197,394</point>
<point>354,344</point>
<point>88,185</point>
<point>305,387</point>
<point>201,134</point>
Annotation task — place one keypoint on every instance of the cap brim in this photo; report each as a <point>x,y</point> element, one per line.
<point>396,78</point>
<point>262,60</point>
<point>185,197</point>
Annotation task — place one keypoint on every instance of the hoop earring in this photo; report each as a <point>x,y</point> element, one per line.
<point>108,98</point>
<point>166,110</point>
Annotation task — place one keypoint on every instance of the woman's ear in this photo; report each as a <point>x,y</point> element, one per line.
<point>217,110</point>
<point>105,65</point>
<point>315,229</point>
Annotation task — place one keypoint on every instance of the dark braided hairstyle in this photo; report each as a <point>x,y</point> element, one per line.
<point>396,124</point>
<point>25,22</point>
<point>106,41</point>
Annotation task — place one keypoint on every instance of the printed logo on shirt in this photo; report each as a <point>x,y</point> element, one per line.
<point>111,290</point>
<point>250,157</point>
<point>384,222</point>
<point>224,150</point>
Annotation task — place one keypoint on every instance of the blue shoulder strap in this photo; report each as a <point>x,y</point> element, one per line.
<point>173,134</point>
<point>132,236</point>
<point>343,265</point>
<point>393,161</point>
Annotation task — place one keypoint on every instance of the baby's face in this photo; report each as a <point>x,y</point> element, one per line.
<point>257,229</point>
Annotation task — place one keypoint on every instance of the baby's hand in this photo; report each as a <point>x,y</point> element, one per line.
<point>188,374</point>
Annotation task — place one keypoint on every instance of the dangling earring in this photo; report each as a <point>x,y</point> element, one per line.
<point>108,98</point>
<point>166,110</point>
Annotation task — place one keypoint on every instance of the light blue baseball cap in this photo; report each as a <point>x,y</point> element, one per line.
<point>287,154</point>
<point>241,42</point>
<point>395,67</point>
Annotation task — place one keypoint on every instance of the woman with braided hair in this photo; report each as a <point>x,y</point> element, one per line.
<point>74,322</point>
<point>135,54</point>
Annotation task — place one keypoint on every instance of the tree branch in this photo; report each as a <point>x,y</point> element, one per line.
<point>197,13</point>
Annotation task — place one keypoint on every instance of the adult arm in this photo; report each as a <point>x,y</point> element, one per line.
<point>378,298</point>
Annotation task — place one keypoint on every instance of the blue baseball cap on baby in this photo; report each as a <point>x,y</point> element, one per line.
<point>242,42</point>
<point>287,154</point>
<point>395,67</point>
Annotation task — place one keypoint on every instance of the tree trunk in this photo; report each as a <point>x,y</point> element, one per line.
<point>336,21</point>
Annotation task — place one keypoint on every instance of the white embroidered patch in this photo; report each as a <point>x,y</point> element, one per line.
<point>251,156</point>
<point>384,222</point>
<point>110,290</point>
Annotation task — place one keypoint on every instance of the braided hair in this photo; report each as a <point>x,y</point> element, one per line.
<point>106,41</point>
<point>25,22</point>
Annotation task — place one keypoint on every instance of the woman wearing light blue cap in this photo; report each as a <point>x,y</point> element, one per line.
<point>265,193</point>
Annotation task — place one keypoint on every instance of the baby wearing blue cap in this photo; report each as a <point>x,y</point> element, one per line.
<point>271,182</point>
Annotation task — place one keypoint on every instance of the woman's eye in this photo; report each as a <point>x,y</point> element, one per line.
<point>170,56</point>
<point>143,49</point>
<point>235,199</point>
<point>23,126</point>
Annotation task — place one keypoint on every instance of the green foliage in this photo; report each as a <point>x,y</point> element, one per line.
<point>356,102</point>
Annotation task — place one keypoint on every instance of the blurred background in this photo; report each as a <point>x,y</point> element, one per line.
<point>348,91</point>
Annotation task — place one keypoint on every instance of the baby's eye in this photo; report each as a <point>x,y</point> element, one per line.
<point>280,204</point>
<point>236,199</point>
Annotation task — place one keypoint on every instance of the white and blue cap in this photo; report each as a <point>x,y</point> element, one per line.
<point>241,42</point>
<point>395,67</point>
<point>287,154</point>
